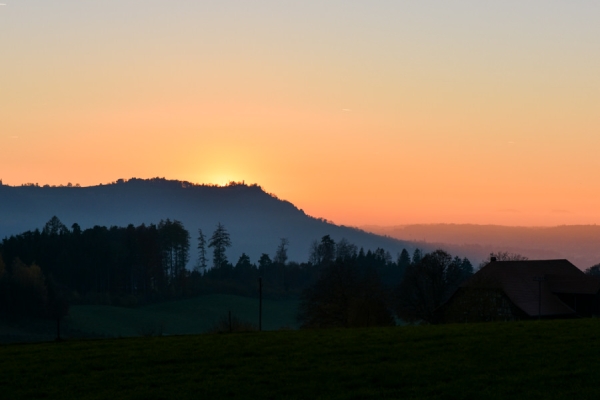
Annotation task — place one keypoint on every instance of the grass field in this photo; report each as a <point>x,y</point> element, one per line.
<point>529,360</point>
<point>191,316</point>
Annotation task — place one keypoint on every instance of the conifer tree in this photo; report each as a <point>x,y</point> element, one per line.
<point>220,240</point>
<point>202,261</point>
<point>417,256</point>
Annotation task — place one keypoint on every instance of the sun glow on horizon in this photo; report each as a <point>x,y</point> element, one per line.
<point>221,178</point>
<point>379,113</point>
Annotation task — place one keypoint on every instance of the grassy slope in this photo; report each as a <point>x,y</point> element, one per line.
<point>191,316</point>
<point>533,360</point>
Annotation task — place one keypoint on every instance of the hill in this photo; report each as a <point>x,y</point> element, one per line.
<point>529,360</point>
<point>580,244</point>
<point>255,219</point>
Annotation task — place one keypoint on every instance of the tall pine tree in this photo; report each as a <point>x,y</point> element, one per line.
<point>219,241</point>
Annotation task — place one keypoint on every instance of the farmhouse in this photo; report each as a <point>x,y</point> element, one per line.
<point>515,290</point>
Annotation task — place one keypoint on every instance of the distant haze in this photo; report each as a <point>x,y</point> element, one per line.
<point>580,244</point>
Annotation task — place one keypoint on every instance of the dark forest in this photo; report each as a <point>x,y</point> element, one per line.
<point>42,272</point>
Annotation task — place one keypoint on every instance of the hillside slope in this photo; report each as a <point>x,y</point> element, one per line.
<point>255,220</point>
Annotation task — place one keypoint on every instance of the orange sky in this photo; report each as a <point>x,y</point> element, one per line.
<point>375,112</point>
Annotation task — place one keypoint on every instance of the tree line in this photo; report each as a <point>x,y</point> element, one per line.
<point>350,292</point>
<point>339,285</point>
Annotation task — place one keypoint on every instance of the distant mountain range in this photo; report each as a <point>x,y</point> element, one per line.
<point>580,244</point>
<point>255,219</point>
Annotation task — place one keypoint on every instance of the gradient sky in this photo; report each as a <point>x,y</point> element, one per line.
<point>360,112</point>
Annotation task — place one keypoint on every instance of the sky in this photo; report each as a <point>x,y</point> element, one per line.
<point>372,112</point>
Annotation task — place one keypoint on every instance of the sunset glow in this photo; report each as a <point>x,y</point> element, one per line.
<point>375,112</point>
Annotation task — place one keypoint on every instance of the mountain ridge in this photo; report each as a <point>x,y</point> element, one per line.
<point>255,219</point>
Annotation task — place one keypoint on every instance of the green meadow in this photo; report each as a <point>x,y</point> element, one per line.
<point>181,317</point>
<point>529,360</point>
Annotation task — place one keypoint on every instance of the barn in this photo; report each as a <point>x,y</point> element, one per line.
<point>524,289</point>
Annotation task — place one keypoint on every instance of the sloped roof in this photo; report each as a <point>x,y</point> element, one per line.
<point>519,281</point>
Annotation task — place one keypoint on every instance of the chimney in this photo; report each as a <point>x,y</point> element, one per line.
<point>493,259</point>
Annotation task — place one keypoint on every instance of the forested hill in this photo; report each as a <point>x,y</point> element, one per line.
<point>255,219</point>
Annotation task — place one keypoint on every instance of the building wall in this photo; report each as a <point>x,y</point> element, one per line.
<point>585,305</point>
<point>480,305</point>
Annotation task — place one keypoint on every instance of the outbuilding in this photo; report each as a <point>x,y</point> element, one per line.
<point>525,289</point>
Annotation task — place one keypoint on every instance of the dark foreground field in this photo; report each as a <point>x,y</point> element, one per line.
<point>533,360</point>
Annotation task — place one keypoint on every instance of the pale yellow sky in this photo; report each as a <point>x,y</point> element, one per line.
<point>378,112</point>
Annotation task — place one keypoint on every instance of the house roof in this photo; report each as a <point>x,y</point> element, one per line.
<point>519,280</point>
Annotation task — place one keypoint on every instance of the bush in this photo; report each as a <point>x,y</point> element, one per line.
<point>230,323</point>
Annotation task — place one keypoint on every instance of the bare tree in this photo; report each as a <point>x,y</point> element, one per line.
<point>502,256</point>
<point>281,253</point>
<point>345,249</point>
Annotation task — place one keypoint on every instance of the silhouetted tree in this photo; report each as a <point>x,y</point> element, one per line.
<point>403,261</point>
<point>28,294</point>
<point>281,253</point>
<point>593,270</point>
<point>427,285</point>
<point>175,245</point>
<point>279,261</point>
<point>76,229</point>
<point>466,267</point>
<point>324,252</point>
<point>220,241</point>
<point>361,255</point>
<point>343,298</point>
<point>266,269</point>
<point>202,261</point>
<point>243,261</point>
<point>244,270</point>
<point>313,252</point>
<point>55,227</point>
<point>417,256</point>
<point>345,250</point>
<point>371,304</point>
<point>264,262</point>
